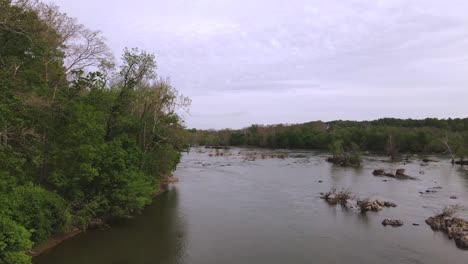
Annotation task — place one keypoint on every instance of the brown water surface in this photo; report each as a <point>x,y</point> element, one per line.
<point>229,210</point>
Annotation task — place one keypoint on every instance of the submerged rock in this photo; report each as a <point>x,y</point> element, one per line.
<point>392,222</point>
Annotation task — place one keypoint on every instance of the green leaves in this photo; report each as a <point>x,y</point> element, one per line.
<point>43,213</point>
<point>14,241</point>
<point>74,146</point>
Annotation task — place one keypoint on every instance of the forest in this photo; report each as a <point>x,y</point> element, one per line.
<point>82,137</point>
<point>384,136</point>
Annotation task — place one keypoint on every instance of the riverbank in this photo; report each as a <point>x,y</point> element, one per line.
<point>56,240</point>
<point>52,243</point>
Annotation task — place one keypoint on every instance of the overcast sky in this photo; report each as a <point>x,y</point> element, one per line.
<point>272,61</point>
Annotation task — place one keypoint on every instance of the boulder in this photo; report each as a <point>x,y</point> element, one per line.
<point>400,172</point>
<point>455,228</point>
<point>392,222</point>
<point>375,206</point>
<point>378,172</point>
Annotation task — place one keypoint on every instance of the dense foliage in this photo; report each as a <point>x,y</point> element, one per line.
<point>78,141</point>
<point>388,135</point>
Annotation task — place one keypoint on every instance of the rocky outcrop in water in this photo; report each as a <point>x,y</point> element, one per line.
<point>392,222</point>
<point>373,205</point>
<point>456,228</point>
<point>399,174</point>
<point>333,197</point>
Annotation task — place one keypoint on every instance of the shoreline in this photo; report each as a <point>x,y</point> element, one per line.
<point>53,242</point>
<point>56,240</point>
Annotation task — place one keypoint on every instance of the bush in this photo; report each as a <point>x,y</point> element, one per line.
<point>41,212</point>
<point>14,242</point>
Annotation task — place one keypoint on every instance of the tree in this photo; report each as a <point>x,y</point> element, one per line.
<point>83,48</point>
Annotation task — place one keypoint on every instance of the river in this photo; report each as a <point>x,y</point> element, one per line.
<point>227,209</point>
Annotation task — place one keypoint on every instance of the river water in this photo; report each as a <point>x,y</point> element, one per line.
<point>227,209</point>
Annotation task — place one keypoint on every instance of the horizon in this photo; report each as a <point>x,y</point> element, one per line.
<point>329,121</point>
<point>244,62</point>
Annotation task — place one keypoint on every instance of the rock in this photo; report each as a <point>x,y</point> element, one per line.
<point>389,204</point>
<point>455,228</point>
<point>414,224</point>
<point>392,222</point>
<point>421,193</point>
<point>435,223</point>
<point>453,197</point>
<point>333,197</point>
<point>462,242</point>
<point>320,181</point>
<point>400,172</point>
<point>378,172</point>
<point>376,205</point>
<point>421,172</point>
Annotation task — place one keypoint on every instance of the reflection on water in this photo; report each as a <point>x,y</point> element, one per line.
<point>229,210</point>
<point>157,236</point>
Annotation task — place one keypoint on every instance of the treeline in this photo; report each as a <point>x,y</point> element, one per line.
<point>388,135</point>
<point>79,141</point>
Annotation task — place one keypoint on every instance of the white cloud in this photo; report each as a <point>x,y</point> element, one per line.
<point>253,57</point>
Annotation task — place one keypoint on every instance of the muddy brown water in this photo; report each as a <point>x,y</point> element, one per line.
<point>229,210</point>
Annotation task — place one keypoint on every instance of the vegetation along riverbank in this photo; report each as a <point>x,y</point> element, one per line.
<point>81,140</point>
<point>346,140</point>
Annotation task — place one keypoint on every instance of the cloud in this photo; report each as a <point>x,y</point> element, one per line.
<point>299,60</point>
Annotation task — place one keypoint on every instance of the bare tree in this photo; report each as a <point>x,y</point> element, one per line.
<point>445,141</point>
<point>83,48</point>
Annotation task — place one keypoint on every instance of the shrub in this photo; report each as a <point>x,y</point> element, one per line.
<point>41,212</point>
<point>14,242</point>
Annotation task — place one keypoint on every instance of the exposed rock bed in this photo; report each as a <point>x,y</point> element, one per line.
<point>375,205</point>
<point>399,174</point>
<point>333,197</point>
<point>454,227</point>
